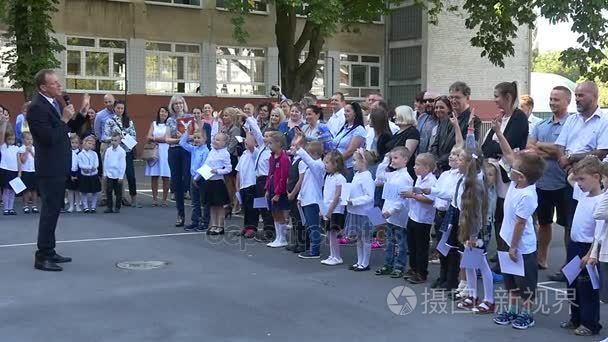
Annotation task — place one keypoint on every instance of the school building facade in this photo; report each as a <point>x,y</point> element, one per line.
<point>144,51</point>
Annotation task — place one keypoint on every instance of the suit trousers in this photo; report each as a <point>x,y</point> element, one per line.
<point>52,191</point>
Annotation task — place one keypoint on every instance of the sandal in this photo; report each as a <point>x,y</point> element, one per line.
<point>485,308</point>
<point>164,205</point>
<point>154,203</point>
<point>385,270</point>
<point>397,274</point>
<point>468,303</point>
<point>583,331</point>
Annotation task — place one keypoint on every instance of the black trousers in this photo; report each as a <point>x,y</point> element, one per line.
<point>418,244</point>
<point>585,308</point>
<point>52,191</point>
<point>299,238</point>
<point>251,217</point>
<point>130,174</point>
<point>260,184</point>
<point>113,185</point>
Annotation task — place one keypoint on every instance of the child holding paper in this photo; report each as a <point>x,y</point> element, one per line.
<point>359,202</point>
<point>421,217</point>
<point>215,194</point>
<point>27,173</point>
<point>276,188</point>
<point>9,166</point>
<point>395,211</point>
<point>311,194</point>
<point>245,183</point>
<point>517,231</point>
<point>89,184</point>
<point>585,308</point>
<point>198,155</point>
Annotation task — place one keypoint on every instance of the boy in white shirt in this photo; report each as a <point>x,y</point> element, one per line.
<point>517,231</point>
<point>114,166</point>
<point>421,218</point>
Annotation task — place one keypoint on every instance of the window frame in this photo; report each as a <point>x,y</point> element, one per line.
<point>172,4</point>
<point>368,65</point>
<point>321,61</point>
<point>83,62</point>
<point>173,53</point>
<point>229,67</point>
<point>267,12</point>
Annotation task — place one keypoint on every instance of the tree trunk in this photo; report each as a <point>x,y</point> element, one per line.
<point>296,78</point>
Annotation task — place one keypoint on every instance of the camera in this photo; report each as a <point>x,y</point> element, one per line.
<point>275,90</point>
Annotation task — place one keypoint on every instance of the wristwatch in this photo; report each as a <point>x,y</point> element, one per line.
<point>568,155</point>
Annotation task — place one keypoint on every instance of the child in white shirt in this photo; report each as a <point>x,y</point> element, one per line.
<point>27,173</point>
<point>359,202</point>
<point>395,210</point>
<point>89,184</point>
<point>421,217</point>
<point>215,194</point>
<point>71,185</point>
<point>9,166</point>
<point>333,207</point>
<point>114,167</point>
<point>245,183</point>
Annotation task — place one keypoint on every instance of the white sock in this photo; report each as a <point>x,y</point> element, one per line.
<point>367,252</point>
<point>85,203</point>
<point>334,246</point>
<point>71,195</point>
<point>488,282</point>
<point>359,252</point>
<point>283,229</point>
<point>471,282</point>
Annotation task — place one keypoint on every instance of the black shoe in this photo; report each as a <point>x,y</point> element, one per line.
<point>559,277</point>
<point>117,210</point>
<point>191,227</point>
<point>86,210</point>
<point>60,259</point>
<point>298,249</point>
<point>179,222</point>
<point>47,265</point>
<point>108,211</point>
<point>290,248</point>
<point>126,202</point>
<point>92,211</point>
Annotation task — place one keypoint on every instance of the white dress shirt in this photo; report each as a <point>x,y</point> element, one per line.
<point>9,160</point>
<point>88,162</point>
<point>362,193</point>
<point>336,122</point>
<point>28,165</point>
<point>423,212</point>
<point>398,208</point>
<point>115,163</point>
<point>246,169</point>
<point>219,160</point>
<point>329,192</point>
<point>312,184</point>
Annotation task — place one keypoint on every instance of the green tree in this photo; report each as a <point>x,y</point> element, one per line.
<point>549,62</point>
<point>29,30</point>
<point>322,19</point>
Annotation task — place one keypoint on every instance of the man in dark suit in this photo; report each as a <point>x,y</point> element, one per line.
<point>48,124</point>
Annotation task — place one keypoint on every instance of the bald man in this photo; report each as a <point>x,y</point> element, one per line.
<point>100,122</point>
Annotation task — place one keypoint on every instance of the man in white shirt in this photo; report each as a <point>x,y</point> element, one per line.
<point>337,120</point>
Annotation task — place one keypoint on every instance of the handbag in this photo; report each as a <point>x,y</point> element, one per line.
<point>150,152</point>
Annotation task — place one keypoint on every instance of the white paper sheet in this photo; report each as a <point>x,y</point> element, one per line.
<point>442,246</point>
<point>572,269</point>
<point>260,203</point>
<point>129,141</point>
<point>594,275</point>
<point>239,138</point>
<point>375,216</point>
<point>17,185</point>
<point>345,194</point>
<point>302,217</point>
<point>205,172</point>
<point>509,266</point>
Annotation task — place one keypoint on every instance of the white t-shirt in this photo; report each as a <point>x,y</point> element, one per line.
<point>520,203</point>
<point>9,157</point>
<point>583,224</point>
<point>329,191</point>
<point>398,207</point>
<point>246,169</point>
<point>28,166</point>
<point>422,212</point>
<point>310,192</point>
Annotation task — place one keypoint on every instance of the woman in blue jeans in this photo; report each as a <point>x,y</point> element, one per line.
<point>179,158</point>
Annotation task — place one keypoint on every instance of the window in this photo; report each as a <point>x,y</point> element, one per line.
<point>196,3</point>
<point>406,63</point>
<point>406,23</point>
<point>95,64</point>
<point>318,83</point>
<point>255,6</point>
<point>240,71</point>
<point>172,68</point>
<point>359,75</point>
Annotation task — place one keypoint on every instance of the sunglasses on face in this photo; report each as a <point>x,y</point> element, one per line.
<point>428,100</point>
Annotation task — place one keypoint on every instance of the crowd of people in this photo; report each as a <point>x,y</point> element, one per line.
<point>435,178</point>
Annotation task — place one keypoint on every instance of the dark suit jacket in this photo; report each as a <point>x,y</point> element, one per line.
<point>50,133</point>
<point>516,133</point>
<point>446,138</point>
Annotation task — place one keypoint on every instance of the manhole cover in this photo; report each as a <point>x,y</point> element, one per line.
<point>141,265</point>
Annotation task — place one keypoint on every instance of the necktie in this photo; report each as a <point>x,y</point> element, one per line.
<point>56,106</point>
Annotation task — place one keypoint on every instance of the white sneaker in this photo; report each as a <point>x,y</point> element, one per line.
<point>327,261</point>
<point>273,244</point>
<point>78,209</point>
<point>282,244</point>
<point>334,262</point>
<point>70,209</point>
<point>338,261</point>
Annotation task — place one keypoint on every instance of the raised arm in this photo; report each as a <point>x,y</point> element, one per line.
<point>507,152</point>
<point>252,124</point>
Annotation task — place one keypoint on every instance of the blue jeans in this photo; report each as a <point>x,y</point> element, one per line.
<point>130,174</point>
<point>195,193</point>
<point>396,248</point>
<point>179,162</point>
<point>311,214</point>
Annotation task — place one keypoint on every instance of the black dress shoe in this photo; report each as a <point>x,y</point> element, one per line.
<point>179,222</point>
<point>559,277</point>
<point>47,265</point>
<point>60,259</point>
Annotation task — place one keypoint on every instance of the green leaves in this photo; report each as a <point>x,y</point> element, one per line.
<point>29,30</point>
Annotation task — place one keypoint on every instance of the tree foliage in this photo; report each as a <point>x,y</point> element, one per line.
<point>32,47</point>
